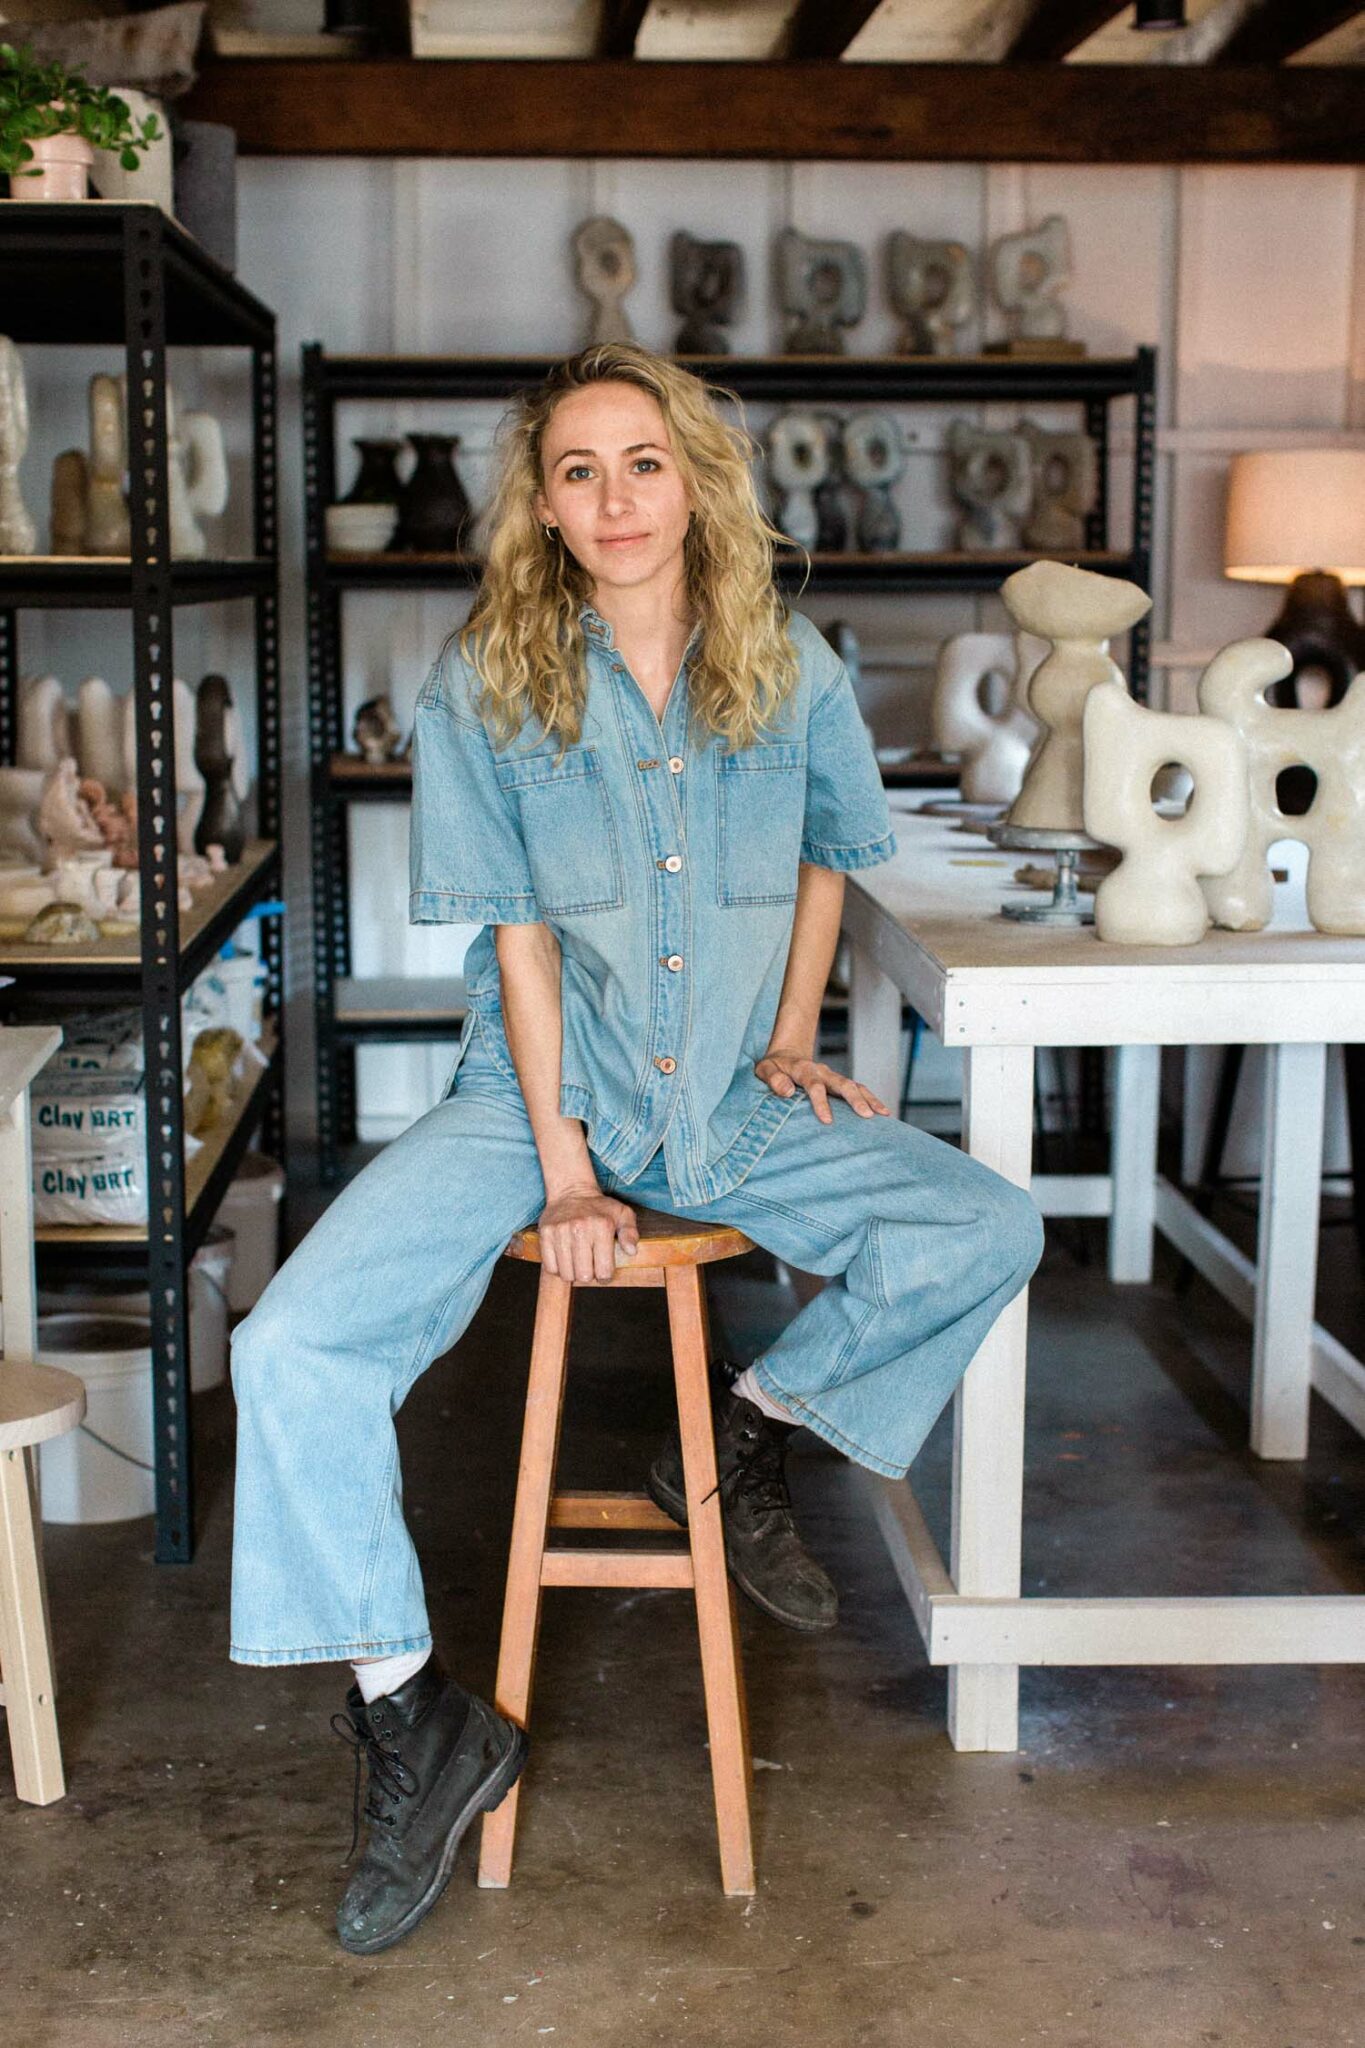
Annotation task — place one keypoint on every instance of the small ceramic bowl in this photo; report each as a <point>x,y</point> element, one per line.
<point>359,529</point>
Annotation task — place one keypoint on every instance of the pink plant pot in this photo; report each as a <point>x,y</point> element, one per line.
<point>59,169</point>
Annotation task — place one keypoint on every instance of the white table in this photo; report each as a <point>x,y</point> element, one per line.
<point>924,926</point>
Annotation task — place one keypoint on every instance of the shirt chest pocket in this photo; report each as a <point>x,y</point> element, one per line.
<point>760,811</point>
<point>567,829</point>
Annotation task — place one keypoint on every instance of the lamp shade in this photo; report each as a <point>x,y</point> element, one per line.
<point>1296,509</point>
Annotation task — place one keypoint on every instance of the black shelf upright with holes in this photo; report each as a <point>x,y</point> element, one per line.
<point>351,1012</point>
<point>127,276</point>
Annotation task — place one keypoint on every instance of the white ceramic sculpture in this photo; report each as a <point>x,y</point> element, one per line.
<point>992,476</point>
<point>1332,744</point>
<point>996,738</point>
<point>1027,272</point>
<point>99,729</point>
<point>1078,612</point>
<point>21,791</point>
<point>65,819</point>
<point>196,475</point>
<point>1153,897</point>
<point>798,463</point>
<point>106,508</point>
<point>18,534</point>
<point>605,256</point>
<point>189,783</point>
<point>44,734</point>
<point>932,285</point>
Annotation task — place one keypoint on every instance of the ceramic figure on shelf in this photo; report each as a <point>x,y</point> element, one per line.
<point>65,819</point>
<point>932,285</point>
<point>21,791</point>
<point>833,513</point>
<point>45,736</point>
<point>18,534</point>
<point>1065,476</point>
<point>189,783</point>
<point>433,511</point>
<point>196,477</point>
<point>220,822</point>
<point>798,463</point>
<point>24,891</point>
<point>1331,744</point>
<point>110,815</point>
<point>376,731</point>
<point>1078,612</point>
<point>106,507</point>
<point>707,280</point>
<point>99,734</point>
<point>992,476</point>
<point>874,456</point>
<point>605,256</point>
<point>1153,897</point>
<point>980,710</point>
<point>823,289</point>
<point>62,924</point>
<point>377,481</point>
<point>73,877</point>
<point>67,506</point>
<point>1028,273</point>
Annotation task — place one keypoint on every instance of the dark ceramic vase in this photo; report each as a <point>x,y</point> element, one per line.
<point>378,482</point>
<point>433,511</point>
<point>221,818</point>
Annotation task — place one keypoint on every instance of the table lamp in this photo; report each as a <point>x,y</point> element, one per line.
<point>1297,516</point>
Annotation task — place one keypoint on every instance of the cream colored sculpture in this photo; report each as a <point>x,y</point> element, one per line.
<point>1078,612</point>
<point>44,735</point>
<point>1153,897</point>
<point>604,254</point>
<point>21,791</point>
<point>18,535</point>
<point>1027,273</point>
<point>1065,476</point>
<point>106,508</point>
<point>1332,744</point>
<point>197,476</point>
<point>994,743</point>
<point>65,819</point>
<point>99,743</point>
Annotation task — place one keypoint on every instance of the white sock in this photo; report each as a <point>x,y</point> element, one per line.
<point>378,1675</point>
<point>748,1389</point>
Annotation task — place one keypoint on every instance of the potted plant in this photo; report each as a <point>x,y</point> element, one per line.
<point>53,120</point>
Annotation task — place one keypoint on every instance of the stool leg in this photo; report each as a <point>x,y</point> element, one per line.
<point>722,1675</point>
<point>25,1643</point>
<point>521,1604</point>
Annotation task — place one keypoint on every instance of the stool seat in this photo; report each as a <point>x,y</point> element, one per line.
<point>664,1241</point>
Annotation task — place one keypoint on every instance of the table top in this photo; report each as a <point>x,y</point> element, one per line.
<point>929,919</point>
<point>24,1048</point>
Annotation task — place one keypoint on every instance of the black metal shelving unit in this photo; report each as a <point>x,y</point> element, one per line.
<point>350,1011</point>
<point>126,276</point>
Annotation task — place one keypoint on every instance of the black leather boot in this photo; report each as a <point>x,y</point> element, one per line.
<point>438,1755</point>
<point>766,1557</point>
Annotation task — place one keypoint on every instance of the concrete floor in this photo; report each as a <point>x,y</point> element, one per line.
<point>1173,1857</point>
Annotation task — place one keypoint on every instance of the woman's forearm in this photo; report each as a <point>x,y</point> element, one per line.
<point>528,966</point>
<point>815,935</point>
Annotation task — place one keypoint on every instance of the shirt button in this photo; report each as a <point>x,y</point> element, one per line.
<point>673,963</point>
<point>666,1065</point>
<point>676,763</point>
<point>646,764</point>
<point>672,863</point>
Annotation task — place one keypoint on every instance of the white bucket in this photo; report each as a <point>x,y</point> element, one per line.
<point>101,1471</point>
<point>250,1209</point>
<point>209,1302</point>
<point>243,977</point>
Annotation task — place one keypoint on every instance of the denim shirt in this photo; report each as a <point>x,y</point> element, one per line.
<point>666,865</point>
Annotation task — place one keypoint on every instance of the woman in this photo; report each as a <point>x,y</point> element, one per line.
<point>646,783</point>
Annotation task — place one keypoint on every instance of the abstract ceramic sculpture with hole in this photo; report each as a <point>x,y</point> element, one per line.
<point>1332,744</point>
<point>1153,897</point>
<point>996,739</point>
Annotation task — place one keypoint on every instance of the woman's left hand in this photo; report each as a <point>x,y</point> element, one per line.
<point>785,1072</point>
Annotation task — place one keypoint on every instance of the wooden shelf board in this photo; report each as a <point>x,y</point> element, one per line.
<point>397,998</point>
<point>16,955</point>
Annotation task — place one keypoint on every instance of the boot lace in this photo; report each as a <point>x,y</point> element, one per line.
<point>390,1781</point>
<point>758,1470</point>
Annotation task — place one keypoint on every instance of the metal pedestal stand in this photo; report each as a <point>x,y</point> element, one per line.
<point>1065,907</point>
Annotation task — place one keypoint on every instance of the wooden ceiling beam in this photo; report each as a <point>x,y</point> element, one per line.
<point>825,28</point>
<point>620,25</point>
<point>1057,27</point>
<point>885,113</point>
<point>1276,31</point>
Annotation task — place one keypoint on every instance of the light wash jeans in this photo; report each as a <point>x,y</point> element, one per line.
<point>922,1245</point>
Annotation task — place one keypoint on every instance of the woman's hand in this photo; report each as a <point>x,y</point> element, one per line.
<point>785,1072</point>
<point>579,1230</point>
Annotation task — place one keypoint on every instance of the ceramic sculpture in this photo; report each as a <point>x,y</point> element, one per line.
<point>196,476</point>
<point>24,891</point>
<point>106,508</point>
<point>823,288</point>
<point>67,513</point>
<point>116,818</point>
<point>1027,273</point>
<point>992,476</point>
<point>1078,612</point>
<point>834,515</point>
<point>21,791</point>
<point>65,819</point>
<point>18,534</point>
<point>1331,743</point>
<point>874,456</point>
<point>798,463</point>
<point>99,734</point>
<point>606,272</point>
<point>220,821</point>
<point>1153,897</point>
<point>932,285</point>
<point>62,924</point>
<point>376,481</point>
<point>433,508</point>
<point>44,736</point>
<point>376,731</point>
<point>707,280</point>
<point>1065,475</point>
<point>994,740</point>
<point>189,783</point>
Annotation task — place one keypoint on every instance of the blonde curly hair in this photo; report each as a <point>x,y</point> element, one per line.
<point>524,638</point>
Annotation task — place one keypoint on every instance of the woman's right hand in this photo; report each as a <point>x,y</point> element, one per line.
<point>579,1231</point>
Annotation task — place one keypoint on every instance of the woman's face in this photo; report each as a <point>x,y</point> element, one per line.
<point>612,486</point>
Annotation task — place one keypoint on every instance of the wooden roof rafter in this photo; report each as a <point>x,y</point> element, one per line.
<point>1281,28</point>
<point>620,26</point>
<point>1057,27</point>
<point>825,28</point>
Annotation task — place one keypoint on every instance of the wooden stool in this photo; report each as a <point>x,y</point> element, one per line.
<point>671,1255</point>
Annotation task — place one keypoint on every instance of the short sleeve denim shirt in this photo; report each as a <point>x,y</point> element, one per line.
<point>666,865</point>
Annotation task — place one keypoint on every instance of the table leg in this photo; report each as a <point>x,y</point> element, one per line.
<point>988,1421</point>
<point>1287,1249</point>
<point>874,1029</point>
<point>1137,1083</point>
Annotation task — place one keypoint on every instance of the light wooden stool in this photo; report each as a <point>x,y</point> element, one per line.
<point>36,1402</point>
<point>671,1255</point>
